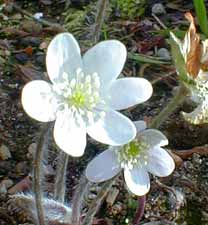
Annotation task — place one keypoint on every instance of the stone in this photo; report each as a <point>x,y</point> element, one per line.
<point>4,152</point>
<point>158,9</point>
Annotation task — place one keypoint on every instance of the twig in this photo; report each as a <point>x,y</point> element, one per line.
<point>56,26</point>
<point>101,5</point>
<point>78,199</point>
<point>159,21</point>
<point>95,205</point>
<point>140,209</point>
<point>37,175</point>
<point>60,180</point>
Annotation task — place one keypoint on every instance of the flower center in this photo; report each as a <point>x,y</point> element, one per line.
<point>133,154</point>
<point>79,96</point>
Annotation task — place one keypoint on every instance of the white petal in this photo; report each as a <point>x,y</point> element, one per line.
<point>160,162</point>
<point>68,136</point>
<point>126,92</point>
<point>113,129</point>
<point>137,181</point>
<point>36,101</point>
<point>63,55</point>
<point>107,58</point>
<point>140,125</point>
<point>103,167</point>
<point>199,115</point>
<point>154,137</point>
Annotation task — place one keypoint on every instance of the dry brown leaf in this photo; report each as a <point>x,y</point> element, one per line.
<point>185,154</point>
<point>23,185</point>
<point>193,62</point>
<point>29,73</point>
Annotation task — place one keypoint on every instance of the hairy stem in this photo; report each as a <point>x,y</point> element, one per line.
<point>175,102</point>
<point>140,209</point>
<point>101,6</point>
<point>95,205</point>
<point>37,175</point>
<point>60,180</point>
<point>78,199</point>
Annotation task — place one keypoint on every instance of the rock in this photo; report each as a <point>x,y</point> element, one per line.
<point>40,58</point>
<point>3,189</point>
<point>21,168</point>
<point>4,152</point>
<point>158,9</point>
<point>31,151</point>
<point>7,183</point>
<point>164,53</point>
<point>30,41</point>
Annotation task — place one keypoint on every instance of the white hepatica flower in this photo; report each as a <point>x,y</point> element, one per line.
<point>142,155</point>
<point>84,94</point>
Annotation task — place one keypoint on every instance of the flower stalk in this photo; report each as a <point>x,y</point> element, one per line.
<point>78,200</point>
<point>37,175</point>
<point>140,209</point>
<point>175,102</point>
<point>95,205</point>
<point>60,180</point>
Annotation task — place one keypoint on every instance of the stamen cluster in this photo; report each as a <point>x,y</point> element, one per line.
<point>79,96</point>
<point>133,154</point>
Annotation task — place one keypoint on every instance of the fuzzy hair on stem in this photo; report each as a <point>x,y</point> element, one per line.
<point>60,180</point>
<point>77,201</point>
<point>55,212</point>
<point>37,177</point>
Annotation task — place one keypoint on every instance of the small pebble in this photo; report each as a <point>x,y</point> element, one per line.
<point>164,53</point>
<point>4,152</point>
<point>3,189</point>
<point>158,9</point>
<point>38,15</point>
<point>7,183</point>
<point>31,151</point>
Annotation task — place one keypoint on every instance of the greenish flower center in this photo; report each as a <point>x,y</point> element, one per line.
<point>77,99</point>
<point>133,154</point>
<point>79,96</point>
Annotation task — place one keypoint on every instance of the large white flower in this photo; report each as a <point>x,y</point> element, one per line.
<point>142,155</point>
<point>84,94</point>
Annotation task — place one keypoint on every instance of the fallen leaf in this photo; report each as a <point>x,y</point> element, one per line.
<point>193,62</point>
<point>29,73</point>
<point>23,185</point>
<point>185,154</point>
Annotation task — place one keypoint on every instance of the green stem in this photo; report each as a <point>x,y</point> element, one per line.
<point>37,175</point>
<point>95,205</point>
<point>60,180</point>
<point>175,102</point>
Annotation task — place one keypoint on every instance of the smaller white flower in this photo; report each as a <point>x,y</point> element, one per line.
<point>84,94</point>
<point>142,155</point>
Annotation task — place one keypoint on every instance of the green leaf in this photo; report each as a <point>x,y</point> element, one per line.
<point>201,15</point>
<point>180,63</point>
<point>147,59</point>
